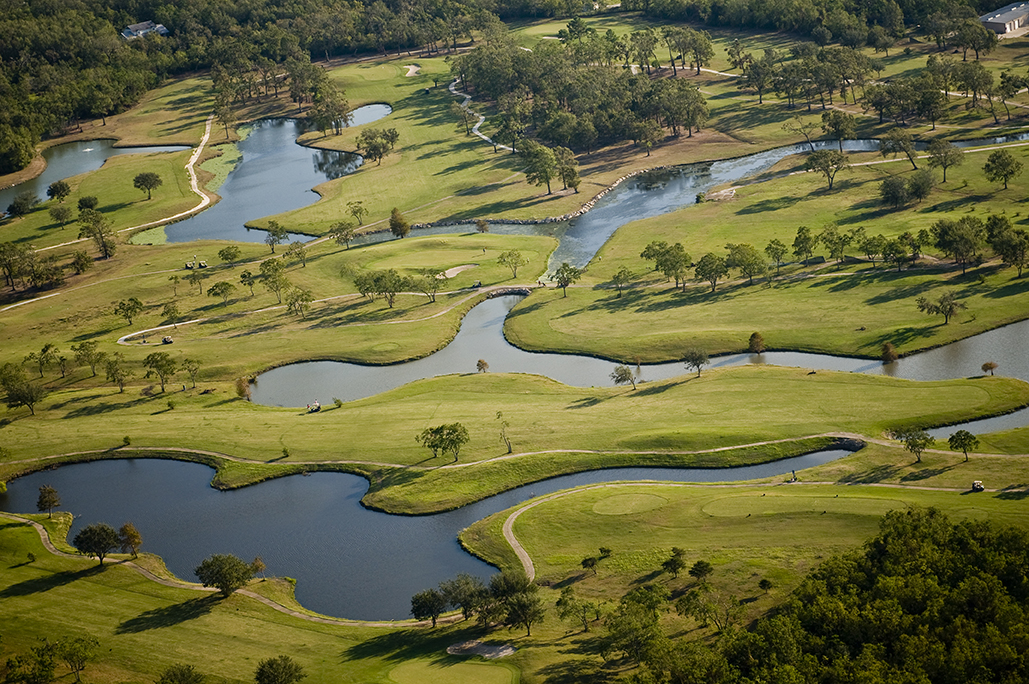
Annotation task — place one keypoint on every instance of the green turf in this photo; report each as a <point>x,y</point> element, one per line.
<point>436,672</point>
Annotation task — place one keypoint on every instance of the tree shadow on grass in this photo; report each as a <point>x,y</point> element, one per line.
<point>877,474</point>
<point>575,672</point>
<point>650,388</point>
<point>169,616</point>
<point>37,585</point>
<point>1013,493</point>
<point>925,473</point>
<point>407,644</point>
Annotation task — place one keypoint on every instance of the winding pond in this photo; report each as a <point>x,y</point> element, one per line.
<point>348,561</point>
<point>274,175</point>
<point>70,159</point>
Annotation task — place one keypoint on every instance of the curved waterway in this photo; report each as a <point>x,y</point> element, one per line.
<point>71,159</point>
<point>348,561</point>
<point>274,175</point>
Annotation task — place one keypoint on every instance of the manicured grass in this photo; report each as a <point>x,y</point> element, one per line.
<point>456,672</point>
<point>121,203</point>
<point>843,311</point>
<point>721,408</point>
<point>84,308</point>
<point>747,533</point>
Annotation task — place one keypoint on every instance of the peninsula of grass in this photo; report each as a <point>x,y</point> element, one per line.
<point>341,324</point>
<point>746,532</point>
<point>851,310</point>
<point>722,408</point>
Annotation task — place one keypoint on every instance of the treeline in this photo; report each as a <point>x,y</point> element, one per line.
<point>570,96</point>
<point>65,61</point>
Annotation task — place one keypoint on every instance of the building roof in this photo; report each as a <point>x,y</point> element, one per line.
<point>1011,12</point>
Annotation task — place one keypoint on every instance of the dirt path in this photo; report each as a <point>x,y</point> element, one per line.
<point>205,198</point>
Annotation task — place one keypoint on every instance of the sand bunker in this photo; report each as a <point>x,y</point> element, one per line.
<point>489,652</point>
<point>412,70</point>
<point>451,272</point>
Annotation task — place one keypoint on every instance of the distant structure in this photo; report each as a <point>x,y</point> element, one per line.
<point>1007,19</point>
<point>141,29</point>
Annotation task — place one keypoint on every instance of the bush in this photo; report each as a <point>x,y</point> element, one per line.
<point>23,203</point>
<point>920,184</point>
<point>126,441</point>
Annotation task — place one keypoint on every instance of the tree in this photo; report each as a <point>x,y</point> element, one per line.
<point>398,225</point>
<point>428,604</point>
<point>695,358</point>
<point>963,441</point>
<point>590,563</point>
<point>148,181</point>
<point>915,440</point>
<point>947,305</point>
<point>230,254</point>
<point>60,214</point>
<point>343,232</point>
<point>225,572</point>
<point>276,235</point>
<point>541,164</point>
<point>804,244</point>
<point>513,259</point>
<point>828,163</point>
<point>223,289</point>
<point>747,259</point>
<point>920,184</point>
<point>504,425</point>
<point>674,565</point>
<point>894,191</point>
<point>48,500</point>
<point>23,203</point>
<point>197,278</point>
<point>275,281</point>
<point>1001,166</point>
<point>839,125</point>
<point>129,539</point>
<point>765,584</point>
<point>1013,247</point>
<point>465,592</point>
<point>571,607</point>
<point>98,229</point>
<point>756,345</point>
<point>898,141</point>
<point>76,653</point>
<point>191,366</point>
<point>524,609</point>
<point>45,357</point>
<point>481,366</point>
<point>19,391</point>
<point>623,375</point>
<point>566,275</point>
<point>357,210</point>
<point>701,570</point>
<point>443,438</point>
<point>181,674</point>
<point>944,154</point>
<point>88,202</point>
<point>621,278</point>
<point>889,353</point>
<point>129,308</point>
<point>81,261</point>
<point>835,241</point>
<point>776,250</point>
<point>805,128</point>
<point>58,190</point>
<point>115,371</point>
<point>567,168</point>
<point>711,267</point>
<point>96,541</point>
<point>989,367</point>
<point>464,115</point>
<point>280,670</point>
<point>171,313</point>
<point>298,301</point>
<point>160,364</point>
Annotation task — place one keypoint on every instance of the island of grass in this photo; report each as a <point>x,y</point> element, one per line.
<point>661,423</point>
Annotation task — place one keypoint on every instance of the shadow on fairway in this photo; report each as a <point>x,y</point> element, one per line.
<point>169,616</point>
<point>38,585</point>
<point>408,644</point>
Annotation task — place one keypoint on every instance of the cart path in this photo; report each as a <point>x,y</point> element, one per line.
<point>182,584</point>
<point>205,198</point>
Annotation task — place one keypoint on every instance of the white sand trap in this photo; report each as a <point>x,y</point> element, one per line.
<point>451,272</point>
<point>478,648</point>
<point>412,70</point>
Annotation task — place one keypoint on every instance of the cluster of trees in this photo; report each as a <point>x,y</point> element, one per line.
<point>509,599</point>
<point>99,539</point>
<point>965,240</point>
<point>574,94</point>
<point>446,438</point>
<point>376,144</point>
<point>39,665</point>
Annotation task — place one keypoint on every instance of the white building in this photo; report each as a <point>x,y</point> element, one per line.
<point>143,28</point>
<point>1007,19</point>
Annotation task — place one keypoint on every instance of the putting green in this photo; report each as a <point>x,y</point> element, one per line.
<point>743,505</point>
<point>427,672</point>
<point>624,504</point>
